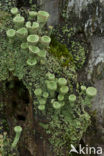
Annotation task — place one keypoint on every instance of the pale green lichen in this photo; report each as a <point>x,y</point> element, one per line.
<point>91,91</point>
<point>18,130</point>
<point>11,33</point>
<point>68,122</point>
<point>14,11</point>
<point>18,20</point>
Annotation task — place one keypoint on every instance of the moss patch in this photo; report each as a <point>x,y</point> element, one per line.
<point>61,52</point>
<point>70,44</point>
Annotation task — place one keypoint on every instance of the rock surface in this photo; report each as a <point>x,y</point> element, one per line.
<point>78,6</point>
<point>96,62</point>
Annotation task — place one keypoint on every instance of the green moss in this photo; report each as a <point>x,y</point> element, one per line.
<point>75,56</point>
<point>61,52</point>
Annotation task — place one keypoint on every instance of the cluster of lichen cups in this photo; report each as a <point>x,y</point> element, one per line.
<point>30,34</point>
<point>54,85</point>
<point>60,86</point>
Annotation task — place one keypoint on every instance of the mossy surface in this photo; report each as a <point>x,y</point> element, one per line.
<point>61,52</point>
<point>74,45</point>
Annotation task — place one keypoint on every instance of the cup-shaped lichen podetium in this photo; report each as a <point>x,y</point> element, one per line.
<point>14,11</point>
<point>28,25</point>
<point>45,95</point>
<point>18,20</point>
<point>32,27</point>
<point>38,92</point>
<point>91,92</point>
<point>35,27</point>
<point>42,55</point>
<point>18,131</point>
<point>83,88</point>
<point>52,87</point>
<point>50,76</point>
<point>22,33</point>
<point>62,82</point>
<point>24,46</point>
<point>72,99</point>
<point>64,90</point>
<point>60,97</point>
<point>32,15</point>
<point>32,61</point>
<point>33,39</point>
<point>56,105</point>
<point>41,107</point>
<point>42,16</point>
<point>45,41</point>
<point>11,33</point>
<point>34,50</point>
<point>42,101</point>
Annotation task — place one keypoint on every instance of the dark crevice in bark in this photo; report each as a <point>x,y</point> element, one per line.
<point>23,3</point>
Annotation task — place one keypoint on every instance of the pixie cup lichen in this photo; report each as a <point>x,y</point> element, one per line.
<point>56,105</point>
<point>41,107</point>
<point>38,92</point>
<point>42,54</point>
<point>32,14</point>
<point>11,33</point>
<point>83,88</point>
<point>52,87</point>
<point>64,90</point>
<point>18,130</point>
<point>72,99</point>
<point>32,61</point>
<point>18,20</point>
<point>91,92</point>
<point>50,76</point>
<point>22,33</point>
<point>62,81</point>
<point>34,50</point>
<point>35,27</point>
<point>45,40</point>
<point>60,97</point>
<point>42,16</point>
<point>42,101</point>
<point>32,27</point>
<point>33,39</point>
<point>24,46</point>
<point>14,11</point>
<point>45,95</point>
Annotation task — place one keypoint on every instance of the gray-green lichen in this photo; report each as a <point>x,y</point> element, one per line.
<point>65,126</point>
